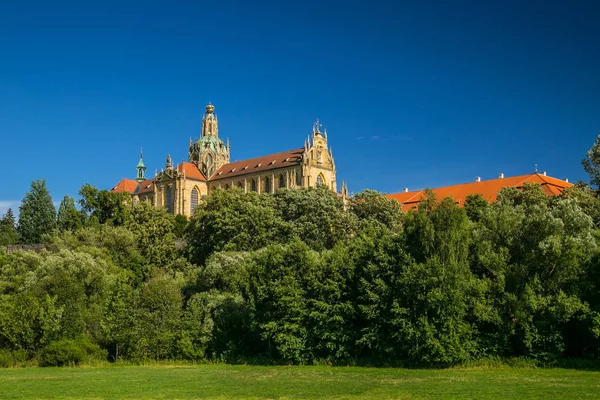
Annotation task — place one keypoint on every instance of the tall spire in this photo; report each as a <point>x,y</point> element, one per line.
<point>210,124</point>
<point>141,168</point>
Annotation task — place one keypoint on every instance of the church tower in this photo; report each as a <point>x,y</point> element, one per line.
<point>319,166</point>
<point>209,152</point>
<point>140,169</point>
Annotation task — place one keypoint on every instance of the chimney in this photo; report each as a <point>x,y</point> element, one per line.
<point>567,180</point>
<point>500,175</point>
<point>544,173</point>
<point>477,179</point>
<point>405,190</point>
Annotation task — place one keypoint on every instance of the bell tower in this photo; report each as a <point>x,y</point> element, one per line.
<point>209,152</point>
<point>141,169</point>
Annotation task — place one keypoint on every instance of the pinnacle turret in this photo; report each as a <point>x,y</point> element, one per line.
<point>140,169</point>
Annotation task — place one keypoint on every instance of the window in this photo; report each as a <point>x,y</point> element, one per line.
<point>226,186</point>
<point>240,184</point>
<point>299,178</point>
<point>194,200</point>
<point>253,185</point>
<point>319,180</point>
<point>281,181</point>
<point>169,199</point>
<point>267,185</point>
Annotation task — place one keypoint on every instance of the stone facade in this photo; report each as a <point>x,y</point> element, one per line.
<point>181,188</point>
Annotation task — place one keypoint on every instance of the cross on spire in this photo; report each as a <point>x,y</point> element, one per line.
<point>317,125</point>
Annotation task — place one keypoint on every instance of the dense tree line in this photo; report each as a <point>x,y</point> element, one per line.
<point>299,277</point>
<point>293,277</point>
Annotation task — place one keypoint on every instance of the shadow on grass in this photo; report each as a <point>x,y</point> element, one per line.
<point>497,362</point>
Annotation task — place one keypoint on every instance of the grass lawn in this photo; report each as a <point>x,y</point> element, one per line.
<point>254,382</point>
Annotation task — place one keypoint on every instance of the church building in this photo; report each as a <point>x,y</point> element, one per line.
<point>179,188</point>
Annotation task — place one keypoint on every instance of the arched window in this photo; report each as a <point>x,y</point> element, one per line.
<point>267,185</point>
<point>298,178</point>
<point>194,200</point>
<point>281,181</point>
<point>241,184</point>
<point>169,199</point>
<point>226,186</point>
<point>253,185</point>
<point>319,180</point>
<point>208,167</point>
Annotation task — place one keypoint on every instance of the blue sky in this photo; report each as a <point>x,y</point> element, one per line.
<point>413,94</point>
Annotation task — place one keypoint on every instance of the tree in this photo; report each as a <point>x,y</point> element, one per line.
<point>153,228</point>
<point>181,223</point>
<point>537,250</point>
<point>591,163</point>
<point>103,206</point>
<point>315,215</point>
<point>297,302</point>
<point>37,214</point>
<point>68,218</point>
<point>155,319</point>
<point>8,230</point>
<point>235,221</point>
<point>475,204</point>
<point>372,205</point>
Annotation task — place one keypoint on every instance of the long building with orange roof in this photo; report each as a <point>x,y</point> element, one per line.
<point>488,189</point>
<point>179,188</point>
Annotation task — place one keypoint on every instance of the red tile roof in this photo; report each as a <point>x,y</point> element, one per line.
<point>488,189</point>
<point>146,186</point>
<point>126,185</point>
<point>191,171</point>
<point>259,164</point>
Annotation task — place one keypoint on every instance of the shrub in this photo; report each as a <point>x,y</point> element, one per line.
<point>13,358</point>
<point>6,359</point>
<point>70,352</point>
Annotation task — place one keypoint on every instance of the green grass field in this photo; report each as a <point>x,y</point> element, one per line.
<point>253,382</point>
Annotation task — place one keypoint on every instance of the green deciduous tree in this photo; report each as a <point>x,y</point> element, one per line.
<point>374,206</point>
<point>299,303</point>
<point>536,249</point>
<point>314,215</point>
<point>37,215</point>
<point>591,163</point>
<point>232,220</point>
<point>474,206</point>
<point>155,319</point>
<point>154,229</point>
<point>103,206</point>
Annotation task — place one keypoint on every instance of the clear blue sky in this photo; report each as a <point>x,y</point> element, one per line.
<point>412,94</point>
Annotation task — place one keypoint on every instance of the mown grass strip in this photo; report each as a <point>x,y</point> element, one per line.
<point>257,382</point>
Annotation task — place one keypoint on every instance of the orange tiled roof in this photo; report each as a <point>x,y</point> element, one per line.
<point>488,189</point>
<point>259,164</point>
<point>191,171</point>
<point>146,186</point>
<point>126,185</point>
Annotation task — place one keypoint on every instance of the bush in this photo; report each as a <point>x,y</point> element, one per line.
<point>70,352</point>
<point>13,358</point>
<point>6,359</point>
